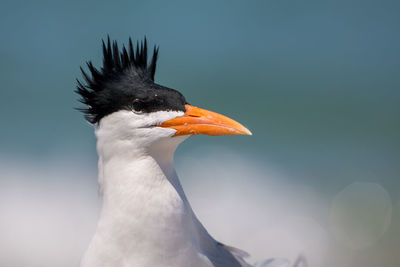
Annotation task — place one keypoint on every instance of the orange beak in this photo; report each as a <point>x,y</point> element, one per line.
<point>201,121</point>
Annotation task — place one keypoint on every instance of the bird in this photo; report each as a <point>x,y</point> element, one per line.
<point>146,218</point>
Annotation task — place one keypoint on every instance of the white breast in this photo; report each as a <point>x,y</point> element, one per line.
<point>144,221</point>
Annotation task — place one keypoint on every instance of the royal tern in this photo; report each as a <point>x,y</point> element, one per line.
<point>146,219</point>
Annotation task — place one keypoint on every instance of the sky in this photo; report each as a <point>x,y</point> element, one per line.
<point>317,82</point>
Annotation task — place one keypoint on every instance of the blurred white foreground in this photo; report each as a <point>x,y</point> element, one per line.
<point>48,212</point>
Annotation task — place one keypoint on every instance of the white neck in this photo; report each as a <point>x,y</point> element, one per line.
<point>145,219</point>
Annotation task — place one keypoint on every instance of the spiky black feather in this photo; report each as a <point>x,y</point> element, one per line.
<point>125,81</point>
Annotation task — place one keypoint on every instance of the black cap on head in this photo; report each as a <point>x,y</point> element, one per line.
<point>125,82</point>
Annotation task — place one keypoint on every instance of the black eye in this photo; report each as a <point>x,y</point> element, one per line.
<point>137,105</point>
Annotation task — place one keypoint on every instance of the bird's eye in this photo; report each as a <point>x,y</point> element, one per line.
<point>137,106</point>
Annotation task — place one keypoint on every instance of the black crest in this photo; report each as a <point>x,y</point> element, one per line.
<point>125,81</point>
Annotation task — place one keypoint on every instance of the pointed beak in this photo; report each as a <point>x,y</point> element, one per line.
<point>201,121</point>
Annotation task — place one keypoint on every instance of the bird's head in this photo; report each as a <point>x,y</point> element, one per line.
<point>122,98</point>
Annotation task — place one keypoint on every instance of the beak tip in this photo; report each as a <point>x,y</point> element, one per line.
<point>248,132</point>
<point>244,131</point>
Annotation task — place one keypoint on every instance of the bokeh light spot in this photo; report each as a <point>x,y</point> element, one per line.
<point>360,214</point>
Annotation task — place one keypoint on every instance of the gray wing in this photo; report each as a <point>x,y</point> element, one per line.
<point>237,253</point>
<point>218,254</point>
<point>221,255</point>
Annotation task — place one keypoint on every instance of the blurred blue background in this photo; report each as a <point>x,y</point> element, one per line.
<point>317,82</point>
